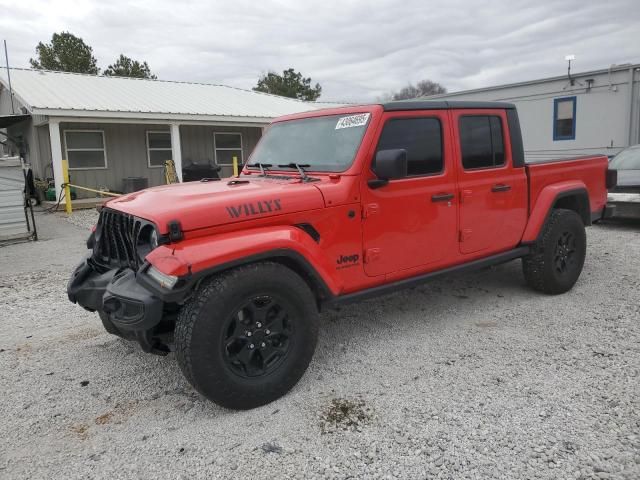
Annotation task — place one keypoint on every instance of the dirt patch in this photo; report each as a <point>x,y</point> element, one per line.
<point>81,430</point>
<point>104,418</point>
<point>24,350</point>
<point>487,324</point>
<point>345,414</point>
<point>83,334</point>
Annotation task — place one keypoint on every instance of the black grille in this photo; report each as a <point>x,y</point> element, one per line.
<point>116,240</point>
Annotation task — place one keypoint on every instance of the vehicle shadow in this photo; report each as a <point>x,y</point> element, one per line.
<point>626,224</point>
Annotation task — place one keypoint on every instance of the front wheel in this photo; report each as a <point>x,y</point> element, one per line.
<point>558,257</point>
<point>246,337</point>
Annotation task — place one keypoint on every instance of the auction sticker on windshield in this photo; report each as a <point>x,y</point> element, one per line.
<point>353,121</point>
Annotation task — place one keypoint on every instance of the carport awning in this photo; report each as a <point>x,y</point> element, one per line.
<point>8,120</point>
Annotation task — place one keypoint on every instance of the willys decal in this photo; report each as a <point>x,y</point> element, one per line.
<point>254,208</point>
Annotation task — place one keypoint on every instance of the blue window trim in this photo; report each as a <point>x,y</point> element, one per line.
<point>555,118</point>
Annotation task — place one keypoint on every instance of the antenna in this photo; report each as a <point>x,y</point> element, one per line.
<point>572,81</point>
<point>568,58</point>
<point>13,112</point>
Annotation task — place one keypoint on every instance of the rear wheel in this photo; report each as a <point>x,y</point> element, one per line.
<point>247,336</point>
<point>558,257</point>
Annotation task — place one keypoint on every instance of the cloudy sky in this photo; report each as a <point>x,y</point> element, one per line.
<point>356,49</point>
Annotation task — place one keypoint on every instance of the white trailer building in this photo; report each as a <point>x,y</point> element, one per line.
<point>584,113</point>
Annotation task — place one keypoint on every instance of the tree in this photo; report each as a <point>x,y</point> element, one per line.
<point>424,88</point>
<point>127,67</point>
<point>65,53</point>
<point>290,84</point>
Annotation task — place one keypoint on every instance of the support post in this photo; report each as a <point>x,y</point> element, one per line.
<point>235,166</point>
<point>67,190</point>
<point>176,149</point>
<point>56,155</point>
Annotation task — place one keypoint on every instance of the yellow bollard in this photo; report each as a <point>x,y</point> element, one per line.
<point>235,166</point>
<point>67,189</point>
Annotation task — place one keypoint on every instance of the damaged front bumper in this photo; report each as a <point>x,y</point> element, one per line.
<point>127,299</point>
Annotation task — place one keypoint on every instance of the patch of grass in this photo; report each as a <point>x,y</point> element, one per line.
<point>345,414</point>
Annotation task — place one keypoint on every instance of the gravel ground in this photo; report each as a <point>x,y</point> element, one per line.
<point>84,219</point>
<point>473,376</point>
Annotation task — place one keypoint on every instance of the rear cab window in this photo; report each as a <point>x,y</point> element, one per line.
<point>481,141</point>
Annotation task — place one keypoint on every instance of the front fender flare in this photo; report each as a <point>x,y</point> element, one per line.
<point>545,202</point>
<point>199,257</point>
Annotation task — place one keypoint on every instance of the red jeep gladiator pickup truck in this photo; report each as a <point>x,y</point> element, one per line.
<point>333,206</point>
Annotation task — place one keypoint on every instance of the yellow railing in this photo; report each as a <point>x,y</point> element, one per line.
<point>67,188</point>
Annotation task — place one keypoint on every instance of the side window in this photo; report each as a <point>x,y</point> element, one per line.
<point>158,148</point>
<point>421,138</point>
<point>227,146</point>
<point>564,118</point>
<point>481,141</point>
<point>85,149</point>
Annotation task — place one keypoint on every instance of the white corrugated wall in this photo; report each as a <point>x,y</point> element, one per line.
<point>12,219</point>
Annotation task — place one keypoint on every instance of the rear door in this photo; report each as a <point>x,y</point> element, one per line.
<point>412,222</point>
<point>492,193</point>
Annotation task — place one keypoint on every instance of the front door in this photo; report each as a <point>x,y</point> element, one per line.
<point>493,193</point>
<point>412,222</point>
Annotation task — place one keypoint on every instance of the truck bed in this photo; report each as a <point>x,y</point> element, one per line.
<point>587,170</point>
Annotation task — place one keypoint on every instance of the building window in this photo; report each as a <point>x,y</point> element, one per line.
<point>85,149</point>
<point>421,138</point>
<point>481,141</point>
<point>227,146</point>
<point>564,118</point>
<point>158,148</point>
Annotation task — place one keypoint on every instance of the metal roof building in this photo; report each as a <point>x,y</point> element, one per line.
<point>110,128</point>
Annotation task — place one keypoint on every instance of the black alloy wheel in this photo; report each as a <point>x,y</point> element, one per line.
<point>565,254</point>
<point>258,336</point>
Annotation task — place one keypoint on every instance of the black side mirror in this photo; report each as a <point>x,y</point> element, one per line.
<point>389,165</point>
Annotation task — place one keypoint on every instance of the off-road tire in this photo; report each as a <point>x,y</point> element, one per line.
<point>200,333</point>
<point>541,269</point>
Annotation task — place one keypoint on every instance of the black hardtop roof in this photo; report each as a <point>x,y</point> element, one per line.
<point>418,104</point>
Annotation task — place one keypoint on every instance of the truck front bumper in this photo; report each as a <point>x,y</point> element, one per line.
<point>129,306</point>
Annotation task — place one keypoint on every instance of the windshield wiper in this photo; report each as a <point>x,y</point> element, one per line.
<point>298,166</point>
<point>262,166</point>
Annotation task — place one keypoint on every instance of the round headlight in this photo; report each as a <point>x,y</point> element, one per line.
<point>147,241</point>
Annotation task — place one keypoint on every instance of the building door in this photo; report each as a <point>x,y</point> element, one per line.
<point>411,222</point>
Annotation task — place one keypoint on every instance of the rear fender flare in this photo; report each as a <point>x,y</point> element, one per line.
<point>196,258</point>
<point>549,198</point>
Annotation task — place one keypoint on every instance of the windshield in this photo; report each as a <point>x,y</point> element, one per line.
<point>324,144</point>
<point>628,159</point>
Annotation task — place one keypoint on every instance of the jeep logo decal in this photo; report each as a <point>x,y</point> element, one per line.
<point>255,208</point>
<point>346,261</point>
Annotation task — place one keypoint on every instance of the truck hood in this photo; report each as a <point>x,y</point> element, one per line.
<point>206,204</point>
